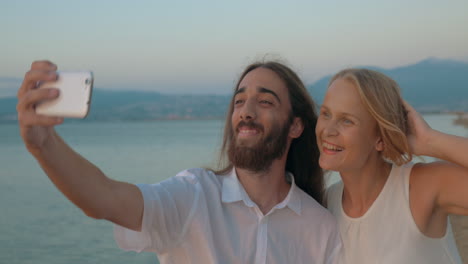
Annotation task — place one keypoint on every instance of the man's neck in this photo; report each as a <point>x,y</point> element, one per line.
<point>267,188</point>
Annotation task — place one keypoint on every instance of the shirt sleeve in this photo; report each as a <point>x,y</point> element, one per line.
<point>168,208</point>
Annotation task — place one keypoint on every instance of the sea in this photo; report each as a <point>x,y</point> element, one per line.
<point>39,225</point>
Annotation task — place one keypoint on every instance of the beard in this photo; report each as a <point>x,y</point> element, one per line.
<point>260,156</point>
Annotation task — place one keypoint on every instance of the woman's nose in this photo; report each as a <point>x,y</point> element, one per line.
<point>330,129</point>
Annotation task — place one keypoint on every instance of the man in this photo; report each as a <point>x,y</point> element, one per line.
<point>249,212</point>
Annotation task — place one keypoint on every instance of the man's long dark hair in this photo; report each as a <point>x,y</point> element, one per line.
<point>303,155</point>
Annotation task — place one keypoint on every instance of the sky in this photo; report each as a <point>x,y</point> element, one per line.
<point>201,47</point>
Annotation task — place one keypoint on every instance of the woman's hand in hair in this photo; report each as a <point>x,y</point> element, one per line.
<point>419,133</point>
<point>442,184</point>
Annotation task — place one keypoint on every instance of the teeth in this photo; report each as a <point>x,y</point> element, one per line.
<point>248,131</point>
<point>331,147</point>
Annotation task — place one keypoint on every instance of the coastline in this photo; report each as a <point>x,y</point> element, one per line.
<point>460,222</point>
<point>460,232</point>
<point>462,119</point>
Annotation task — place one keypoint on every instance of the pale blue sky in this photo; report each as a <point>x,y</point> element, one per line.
<point>202,46</point>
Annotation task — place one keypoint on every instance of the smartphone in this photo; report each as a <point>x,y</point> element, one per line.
<point>74,98</point>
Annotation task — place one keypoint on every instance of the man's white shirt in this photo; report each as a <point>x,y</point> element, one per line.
<point>200,217</point>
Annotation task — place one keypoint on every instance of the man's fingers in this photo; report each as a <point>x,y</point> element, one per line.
<point>40,71</point>
<point>43,65</point>
<point>32,77</point>
<point>31,98</point>
<point>30,118</point>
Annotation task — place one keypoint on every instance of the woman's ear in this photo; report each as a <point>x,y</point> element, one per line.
<point>296,128</point>
<point>380,144</point>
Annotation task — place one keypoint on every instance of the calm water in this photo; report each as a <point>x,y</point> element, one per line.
<point>39,225</point>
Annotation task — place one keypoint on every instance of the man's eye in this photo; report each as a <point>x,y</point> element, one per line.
<point>266,102</point>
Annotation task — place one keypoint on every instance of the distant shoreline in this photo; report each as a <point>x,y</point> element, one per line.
<point>462,119</point>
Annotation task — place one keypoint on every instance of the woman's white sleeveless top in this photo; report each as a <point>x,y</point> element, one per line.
<point>387,233</point>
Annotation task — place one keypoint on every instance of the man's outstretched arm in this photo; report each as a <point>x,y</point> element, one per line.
<point>79,180</point>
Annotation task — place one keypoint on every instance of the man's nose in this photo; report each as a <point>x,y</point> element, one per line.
<point>248,111</point>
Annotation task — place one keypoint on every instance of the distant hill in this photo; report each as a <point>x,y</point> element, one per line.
<point>432,85</point>
<point>132,105</point>
<point>137,105</point>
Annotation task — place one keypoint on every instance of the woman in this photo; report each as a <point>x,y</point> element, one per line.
<point>389,210</point>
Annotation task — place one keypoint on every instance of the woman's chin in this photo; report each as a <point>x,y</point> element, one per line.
<point>327,166</point>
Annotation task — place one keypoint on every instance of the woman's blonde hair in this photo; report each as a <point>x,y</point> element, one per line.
<point>381,97</point>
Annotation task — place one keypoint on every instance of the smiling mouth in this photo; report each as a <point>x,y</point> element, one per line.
<point>331,147</point>
<point>247,131</point>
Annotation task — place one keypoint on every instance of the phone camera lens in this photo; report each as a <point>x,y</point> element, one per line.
<point>88,82</point>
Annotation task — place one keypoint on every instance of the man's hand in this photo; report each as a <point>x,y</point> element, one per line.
<point>36,129</point>
<point>78,179</point>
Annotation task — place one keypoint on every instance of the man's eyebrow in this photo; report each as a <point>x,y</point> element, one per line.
<point>266,90</point>
<point>240,90</point>
<point>260,90</point>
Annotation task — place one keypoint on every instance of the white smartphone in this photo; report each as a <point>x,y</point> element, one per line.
<point>74,98</point>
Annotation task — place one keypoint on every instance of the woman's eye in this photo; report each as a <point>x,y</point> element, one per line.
<point>347,121</point>
<point>238,101</point>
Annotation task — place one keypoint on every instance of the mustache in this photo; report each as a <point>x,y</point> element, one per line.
<point>249,124</point>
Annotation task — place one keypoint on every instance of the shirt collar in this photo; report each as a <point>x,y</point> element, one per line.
<point>233,191</point>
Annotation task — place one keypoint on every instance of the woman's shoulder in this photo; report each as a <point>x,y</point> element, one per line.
<point>429,178</point>
<point>425,173</point>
